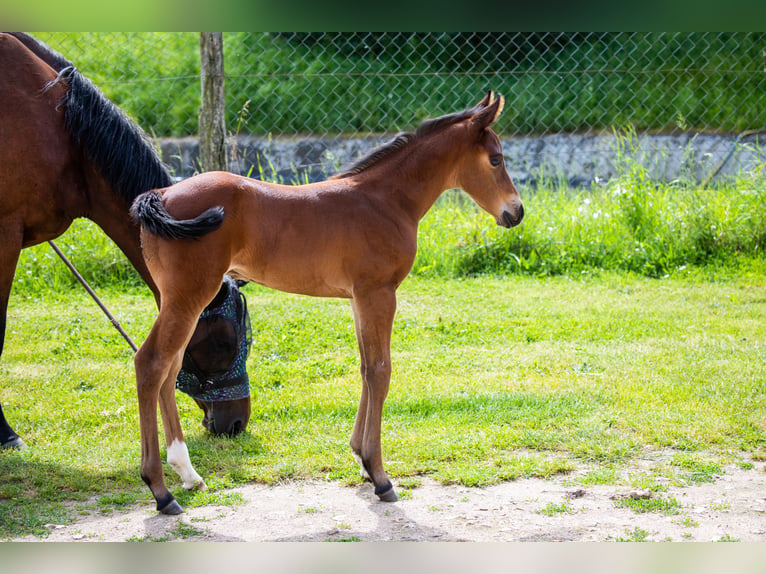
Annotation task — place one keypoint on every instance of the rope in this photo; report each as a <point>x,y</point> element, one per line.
<point>92,293</point>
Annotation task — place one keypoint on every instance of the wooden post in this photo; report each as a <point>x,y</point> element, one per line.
<point>212,123</point>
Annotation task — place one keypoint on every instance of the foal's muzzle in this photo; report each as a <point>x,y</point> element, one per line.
<point>509,219</point>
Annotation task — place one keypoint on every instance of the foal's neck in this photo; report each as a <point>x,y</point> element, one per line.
<point>419,173</point>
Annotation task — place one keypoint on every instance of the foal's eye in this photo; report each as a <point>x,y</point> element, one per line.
<point>496,160</point>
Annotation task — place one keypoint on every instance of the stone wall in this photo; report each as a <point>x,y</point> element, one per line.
<point>577,159</point>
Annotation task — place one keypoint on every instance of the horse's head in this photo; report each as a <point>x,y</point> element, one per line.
<point>214,371</point>
<point>481,170</point>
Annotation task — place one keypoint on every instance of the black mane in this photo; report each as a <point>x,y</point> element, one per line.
<point>403,139</point>
<point>118,148</point>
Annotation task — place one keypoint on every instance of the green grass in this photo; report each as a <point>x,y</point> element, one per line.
<point>554,509</point>
<point>494,379</point>
<point>629,224</point>
<point>667,506</point>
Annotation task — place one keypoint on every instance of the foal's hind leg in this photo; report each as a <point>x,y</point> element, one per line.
<point>157,361</point>
<point>177,452</point>
<point>373,318</point>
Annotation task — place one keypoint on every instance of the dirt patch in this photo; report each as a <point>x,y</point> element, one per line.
<point>731,508</point>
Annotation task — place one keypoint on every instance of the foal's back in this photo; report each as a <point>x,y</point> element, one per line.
<point>318,239</point>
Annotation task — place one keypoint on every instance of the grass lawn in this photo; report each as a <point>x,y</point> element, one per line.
<point>493,379</point>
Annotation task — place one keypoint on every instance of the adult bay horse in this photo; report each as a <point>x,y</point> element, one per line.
<point>68,152</point>
<point>353,236</point>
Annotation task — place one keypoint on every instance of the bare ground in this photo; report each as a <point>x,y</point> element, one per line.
<point>731,508</point>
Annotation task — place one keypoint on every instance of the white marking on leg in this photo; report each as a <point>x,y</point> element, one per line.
<point>363,471</point>
<point>178,458</point>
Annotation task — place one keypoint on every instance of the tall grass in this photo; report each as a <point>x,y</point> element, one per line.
<point>94,255</point>
<point>632,224</point>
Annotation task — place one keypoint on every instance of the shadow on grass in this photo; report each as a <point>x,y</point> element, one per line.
<point>36,492</point>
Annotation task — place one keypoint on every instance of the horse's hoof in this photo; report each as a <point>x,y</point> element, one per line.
<point>15,443</point>
<point>388,496</point>
<point>171,508</point>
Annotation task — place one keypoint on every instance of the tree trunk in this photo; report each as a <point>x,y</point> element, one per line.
<point>212,124</point>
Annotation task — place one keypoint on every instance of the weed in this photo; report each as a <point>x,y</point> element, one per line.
<point>184,531</point>
<point>347,539</point>
<point>666,506</point>
<point>552,509</point>
<point>699,470</point>
<point>635,535</point>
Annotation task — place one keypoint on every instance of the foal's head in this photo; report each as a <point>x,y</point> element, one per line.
<point>480,170</point>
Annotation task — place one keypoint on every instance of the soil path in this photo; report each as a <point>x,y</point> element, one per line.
<point>731,508</point>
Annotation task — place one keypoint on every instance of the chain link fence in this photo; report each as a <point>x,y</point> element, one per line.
<point>324,90</point>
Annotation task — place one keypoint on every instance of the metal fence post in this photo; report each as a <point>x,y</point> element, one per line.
<point>212,125</point>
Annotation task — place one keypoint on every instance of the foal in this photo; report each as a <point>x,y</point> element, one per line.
<point>352,236</point>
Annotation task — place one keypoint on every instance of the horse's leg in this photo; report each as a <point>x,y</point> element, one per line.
<point>155,362</point>
<point>373,317</point>
<point>178,453</point>
<point>8,259</point>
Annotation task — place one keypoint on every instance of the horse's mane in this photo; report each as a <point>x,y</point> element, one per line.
<point>403,139</point>
<point>118,147</point>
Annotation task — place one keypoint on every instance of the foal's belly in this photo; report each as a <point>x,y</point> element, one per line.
<point>296,281</point>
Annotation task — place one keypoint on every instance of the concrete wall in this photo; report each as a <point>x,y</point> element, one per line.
<point>577,159</point>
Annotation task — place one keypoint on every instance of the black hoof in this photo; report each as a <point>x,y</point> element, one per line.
<point>388,496</point>
<point>171,508</point>
<point>14,443</point>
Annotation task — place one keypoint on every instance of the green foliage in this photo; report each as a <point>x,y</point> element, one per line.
<point>554,509</point>
<point>697,471</point>
<point>667,506</point>
<point>635,535</point>
<point>324,83</point>
<point>93,254</point>
<point>630,224</point>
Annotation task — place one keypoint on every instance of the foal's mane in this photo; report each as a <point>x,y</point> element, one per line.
<point>403,139</point>
<point>118,147</point>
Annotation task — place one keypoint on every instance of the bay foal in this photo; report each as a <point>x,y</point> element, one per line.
<point>353,236</point>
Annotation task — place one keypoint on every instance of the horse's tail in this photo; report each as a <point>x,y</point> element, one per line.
<point>150,213</point>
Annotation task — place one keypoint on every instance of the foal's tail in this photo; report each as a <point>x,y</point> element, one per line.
<point>150,213</point>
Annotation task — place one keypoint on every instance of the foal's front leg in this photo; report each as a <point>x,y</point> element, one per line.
<point>373,318</point>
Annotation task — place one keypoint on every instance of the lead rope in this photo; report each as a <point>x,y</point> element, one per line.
<point>92,293</point>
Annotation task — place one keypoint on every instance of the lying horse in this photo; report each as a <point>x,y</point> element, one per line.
<point>353,236</point>
<point>68,152</point>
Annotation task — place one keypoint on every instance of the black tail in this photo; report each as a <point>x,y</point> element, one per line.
<point>150,213</point>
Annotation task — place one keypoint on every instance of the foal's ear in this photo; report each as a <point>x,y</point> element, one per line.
<point>487,116</point>
<point>486,100</point>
